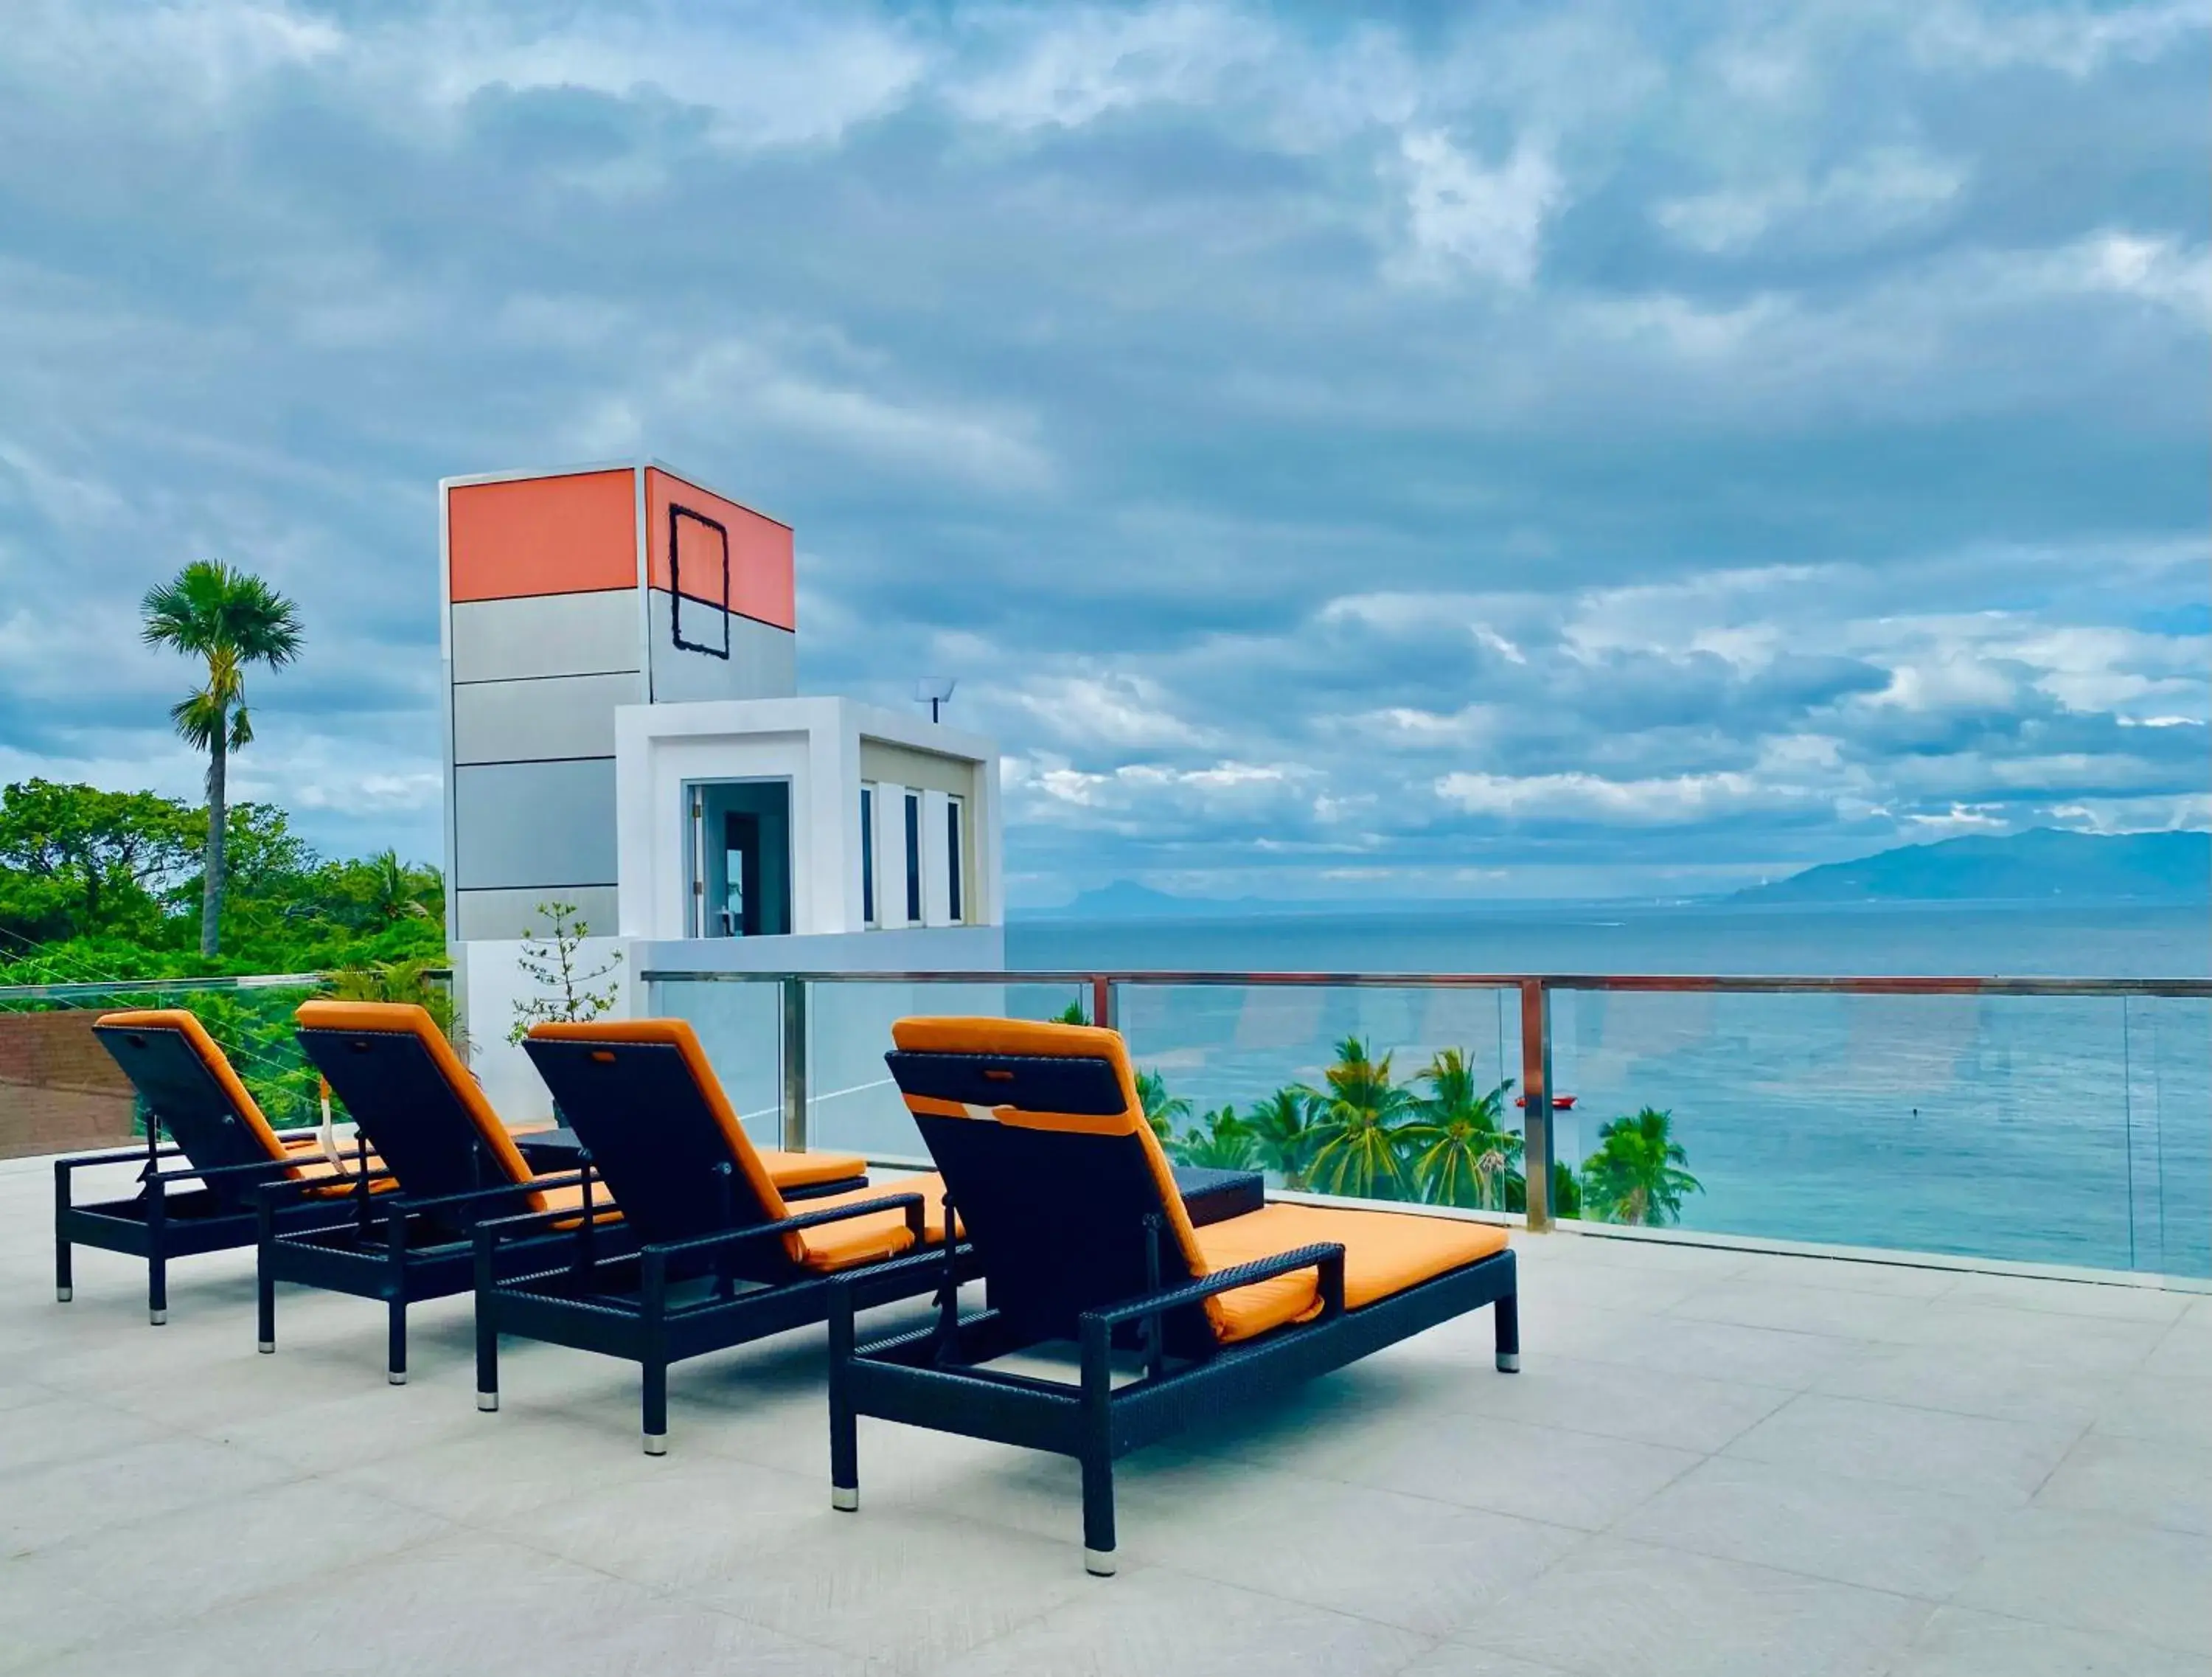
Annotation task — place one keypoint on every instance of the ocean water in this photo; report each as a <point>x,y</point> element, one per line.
<point>2059,1130</point>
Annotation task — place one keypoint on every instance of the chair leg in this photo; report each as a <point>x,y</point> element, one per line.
<point>656,1405</point>
<point>65,1280</point>
<point>1098,1513</point>
<point>396,1333</point>
<point>844,1451</point>
<point>486,1355</point>
<point>265,1286</point>
<point>157,1287</point>
<point>1507,1313</point>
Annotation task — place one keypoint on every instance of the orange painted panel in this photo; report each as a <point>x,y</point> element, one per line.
<point>569,535</point>
<point>761,584</point>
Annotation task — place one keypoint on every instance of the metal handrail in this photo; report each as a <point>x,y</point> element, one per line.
<point>1705,983</point>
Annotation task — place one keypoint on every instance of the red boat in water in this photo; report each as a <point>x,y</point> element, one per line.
<point>1560,1103</point>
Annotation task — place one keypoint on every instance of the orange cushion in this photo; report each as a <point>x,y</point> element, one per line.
<point>804,1169</point>
<point>569,1197</point>
<point>187,1025</point>
<point>879,1235</point>
<point>1384,1253</point>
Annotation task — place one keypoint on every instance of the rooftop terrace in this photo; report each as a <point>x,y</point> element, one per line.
<point>1713,1461</point>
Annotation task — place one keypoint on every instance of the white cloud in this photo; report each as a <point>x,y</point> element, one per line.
<point>1462,217</point>
<point>1870,197</point>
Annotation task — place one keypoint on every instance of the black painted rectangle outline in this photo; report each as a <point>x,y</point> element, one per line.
<point>675,583</point>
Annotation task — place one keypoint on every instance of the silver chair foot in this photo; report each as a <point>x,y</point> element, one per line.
<point>62,1295</point>
<point>1098,1562</point>
<point>656,1443</point>
<point>489,1402</point>
<point>158,1318</point>
<point>266,1347</point>
<point>845,1501</point>
<point>1508,1362</point>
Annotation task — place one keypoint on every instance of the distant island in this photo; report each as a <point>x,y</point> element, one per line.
<point>2041,866</point>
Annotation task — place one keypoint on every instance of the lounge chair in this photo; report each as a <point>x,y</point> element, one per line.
<point>457,1165</point>
<point>189,1090</point>
<point>1068,1201</point>
<point>722,1256</point>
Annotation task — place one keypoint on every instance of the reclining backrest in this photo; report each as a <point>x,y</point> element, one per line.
<point>408,1091</point>
<point>191,1088</point>
<point>1039,1134</point>
<point>640,1094</point>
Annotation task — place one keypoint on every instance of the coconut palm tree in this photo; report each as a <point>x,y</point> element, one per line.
<point>1161,1110</point>
<point>1282,1140</point>
<point>1636,1175</point>
<point>1359,1126</point>
<point>231,619</point>
<point>1459,1154</point>
<point>1220,1140</point>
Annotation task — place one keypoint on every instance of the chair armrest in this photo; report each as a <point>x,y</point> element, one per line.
<point>135,1156</point>
<point>1326,1257</point>
<point>566,1179</point>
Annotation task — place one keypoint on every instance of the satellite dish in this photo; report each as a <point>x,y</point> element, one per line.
<point>935,691</point>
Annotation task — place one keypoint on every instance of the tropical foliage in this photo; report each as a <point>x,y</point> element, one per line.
<point>1441,1140</point>
<point>101,886</point>
<point>229,620</point>
<point>1638,1175</point>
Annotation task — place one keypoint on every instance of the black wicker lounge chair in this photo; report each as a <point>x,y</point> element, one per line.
<point>457,1165</point>
<point>1067,1201</point>
<point>719,1258</point>
<point>190,1091</point>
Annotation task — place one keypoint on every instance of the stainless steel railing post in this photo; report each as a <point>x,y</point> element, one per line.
<point>1536,1099</point>
<point>794,1065</point>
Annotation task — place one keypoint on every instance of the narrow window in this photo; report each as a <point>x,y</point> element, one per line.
<point>867,855</point>
<point>953,858</point>
<point>913,857</point>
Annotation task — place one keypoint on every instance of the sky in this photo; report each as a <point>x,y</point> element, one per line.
<point>1482,451</point>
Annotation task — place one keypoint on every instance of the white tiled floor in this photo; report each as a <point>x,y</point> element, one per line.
<point>1714,1462</point>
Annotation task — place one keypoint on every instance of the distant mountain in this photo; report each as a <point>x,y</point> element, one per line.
<point>2032,866</point>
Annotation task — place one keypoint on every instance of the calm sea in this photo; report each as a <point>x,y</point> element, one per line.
<point>2062,1130</point>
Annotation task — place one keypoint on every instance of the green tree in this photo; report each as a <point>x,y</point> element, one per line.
<point>1359,1126</point>
<point>1459,1155</point>
<point>231,620</point>
<point>1637,1174</point>
<point>1161,1110</point>
<point>91,859</point>
<point>1282,1137</point>
<point>1220,1140</point>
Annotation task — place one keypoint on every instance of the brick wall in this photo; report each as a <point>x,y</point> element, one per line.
<point>59,1091</point>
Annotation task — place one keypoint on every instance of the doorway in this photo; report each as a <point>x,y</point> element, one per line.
<point>740,862</point>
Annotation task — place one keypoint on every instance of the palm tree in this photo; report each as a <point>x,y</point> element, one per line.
<point>1359,1126</point>
<point>1282,1137</point>
<point>232,619</point>
<point>1161,1108</point>
<point>1636,1175</point>
<point>1460,1156</point>
<point>395,889</point>
<point>1220,1140</point>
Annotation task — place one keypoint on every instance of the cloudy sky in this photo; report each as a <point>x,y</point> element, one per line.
<point>1481,450</point>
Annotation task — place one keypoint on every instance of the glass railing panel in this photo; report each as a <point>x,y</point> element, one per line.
<point>60,1092</point>
<point>853,1105</point>
<point>1289,1079</point>
<point>740,1023</point>
<point>2168,1062</point>
<point>1991,1126</point>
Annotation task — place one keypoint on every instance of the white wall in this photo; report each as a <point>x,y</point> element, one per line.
<point>489,981</point>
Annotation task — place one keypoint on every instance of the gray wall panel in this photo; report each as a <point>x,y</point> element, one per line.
<point>763,663</point>
<point>560,716</point>
<point>545,634</point>
<point>528,825</point>
<point>513,914</point>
